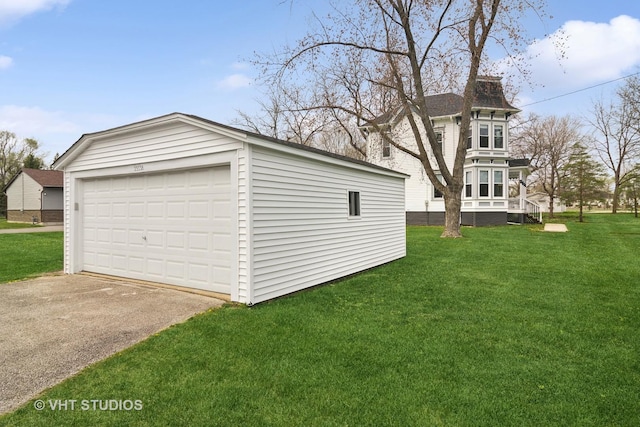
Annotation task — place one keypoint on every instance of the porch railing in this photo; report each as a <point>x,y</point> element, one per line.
<point>533,209</point>
<point>527,207</point>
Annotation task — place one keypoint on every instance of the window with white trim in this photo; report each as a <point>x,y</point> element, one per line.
<point>498,136</point>
<point>354,203</point>
<point>484,136</point>
<point>484,183</point>
<point>470,139</point>
<point>437,194</point>
<point>468,184</point>
<point>439,136</point>
<point>498,184</point>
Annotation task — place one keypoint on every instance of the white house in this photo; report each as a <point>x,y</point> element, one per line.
<point>186,201</point>
<point>489,170</point>
<point>544,200</point>
<point>35,195</point>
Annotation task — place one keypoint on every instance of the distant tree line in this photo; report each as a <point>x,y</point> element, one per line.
<point>587,161</point>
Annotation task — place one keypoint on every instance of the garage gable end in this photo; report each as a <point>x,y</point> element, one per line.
<point>161,142</point>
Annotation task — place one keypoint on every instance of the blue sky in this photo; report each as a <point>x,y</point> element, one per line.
<point>69,67</point>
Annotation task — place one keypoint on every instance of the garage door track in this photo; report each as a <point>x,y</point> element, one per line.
<point>53,326</point>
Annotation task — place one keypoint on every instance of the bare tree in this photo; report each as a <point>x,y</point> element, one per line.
<point>14,152</point>
<point>547,142</point>
<point>617,136</point>
<point>383,56</point>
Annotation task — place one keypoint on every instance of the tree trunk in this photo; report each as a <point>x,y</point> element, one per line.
<point>616,196</point>
<point>452,206</point>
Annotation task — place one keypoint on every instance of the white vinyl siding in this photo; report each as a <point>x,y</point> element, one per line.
<point>301,235</point>
<point>24,194</point>
<point>163,143</point>
<point>288,218</point>
<point>52,198</point>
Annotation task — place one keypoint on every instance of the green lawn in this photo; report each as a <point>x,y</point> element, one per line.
<point>509,326</point>
<point>26,255</point>
<point>4,224</point>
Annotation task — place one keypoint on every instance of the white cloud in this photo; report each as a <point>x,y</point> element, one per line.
<point>12,10</point>
<point>27,121</point>
<point>591,53</point>
<point>55,130</point>
<point>234,81</point>
<point>5,62</point>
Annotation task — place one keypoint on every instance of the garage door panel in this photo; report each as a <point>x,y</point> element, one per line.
<point>169,227</point>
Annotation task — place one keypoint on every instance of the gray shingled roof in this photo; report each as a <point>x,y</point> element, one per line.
<point>488,95</point>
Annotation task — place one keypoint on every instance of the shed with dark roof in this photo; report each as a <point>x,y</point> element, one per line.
<point>35,195</point>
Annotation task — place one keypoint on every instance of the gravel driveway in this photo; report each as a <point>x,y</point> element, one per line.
<point>53,326</point>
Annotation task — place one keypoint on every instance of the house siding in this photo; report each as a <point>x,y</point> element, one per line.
<point>166,142</point>
<point>422,207</point>
<point>24,194</point>
<point>301,230</point>
<point>244,262</point>
<point>52,199</point>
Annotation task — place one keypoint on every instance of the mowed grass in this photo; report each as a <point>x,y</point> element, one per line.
<point>509,326</point>
<point>6,225</point>
<point>27,255</point>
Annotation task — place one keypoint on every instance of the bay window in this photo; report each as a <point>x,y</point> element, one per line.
<point>498,137</point>
<point>484,183</point>
<point>484,136</point>
<point>498,184</point>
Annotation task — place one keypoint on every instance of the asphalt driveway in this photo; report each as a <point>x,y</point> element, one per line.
<point>54,326</point>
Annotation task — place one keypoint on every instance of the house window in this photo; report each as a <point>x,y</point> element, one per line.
<point>498,185</point>
<point>386,149</point>
<point>470,139</point>
<point>437,194</point>
<point>354,203</point>
<point>498,137</point>
<point>439,140</point>
<point>484,136</point>
<point>468,189</point>
<point>484,183</point>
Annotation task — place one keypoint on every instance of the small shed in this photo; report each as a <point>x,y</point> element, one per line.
<point>35,195</point>
<point>185,201</point>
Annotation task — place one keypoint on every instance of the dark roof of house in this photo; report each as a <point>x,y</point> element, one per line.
<point>519,162</point>
<point>46,178</point>
<point>488,95</point>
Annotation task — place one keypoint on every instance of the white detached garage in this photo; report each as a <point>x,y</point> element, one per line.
<point>185,201</point>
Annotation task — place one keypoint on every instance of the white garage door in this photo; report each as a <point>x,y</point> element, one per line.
<point>172,227</point>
